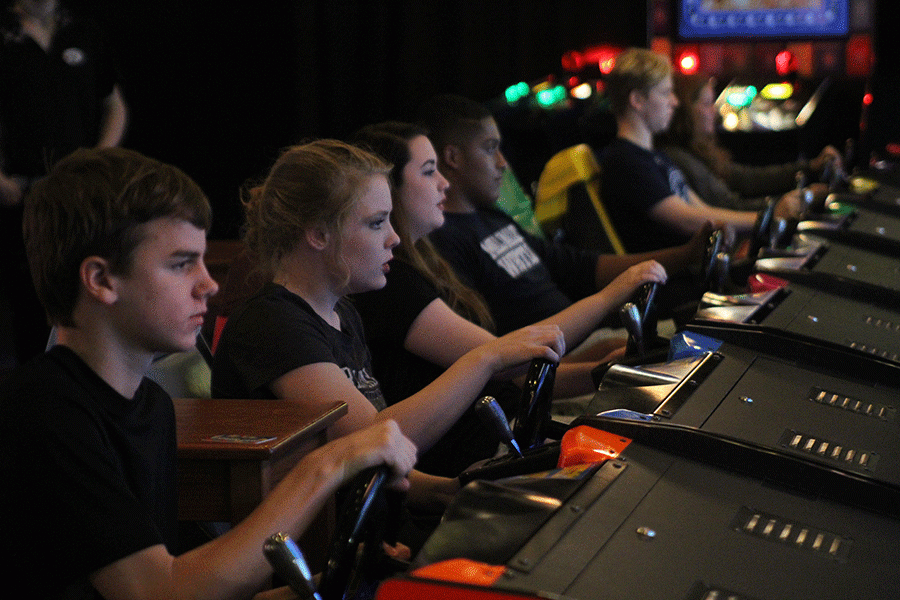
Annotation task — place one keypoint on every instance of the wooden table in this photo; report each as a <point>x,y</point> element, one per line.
<point>225,481</point>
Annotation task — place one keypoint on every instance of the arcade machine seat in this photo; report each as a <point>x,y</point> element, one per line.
<point>568,202</point>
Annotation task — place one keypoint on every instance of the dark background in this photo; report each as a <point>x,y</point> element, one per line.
<point>219,88</point>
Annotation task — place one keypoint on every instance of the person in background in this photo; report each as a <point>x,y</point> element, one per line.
<point>116,244</point>
<point>522,278</point>
<point>691,143</point>
<point>320,223</point>
<point>58,92</point>
<point>647,196</point>
<point>436,319</point>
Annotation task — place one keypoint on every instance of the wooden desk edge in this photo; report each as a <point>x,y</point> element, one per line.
<point>203,448</point>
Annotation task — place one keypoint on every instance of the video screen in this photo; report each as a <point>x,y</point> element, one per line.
<point>788,19</point>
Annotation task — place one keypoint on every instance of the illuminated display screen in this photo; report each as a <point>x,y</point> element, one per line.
<point>716,19</point>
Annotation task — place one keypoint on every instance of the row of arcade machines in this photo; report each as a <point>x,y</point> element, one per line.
<point>754,456</point>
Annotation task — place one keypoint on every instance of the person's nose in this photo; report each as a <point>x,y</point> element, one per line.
<point>443,184</point>
<point>392,240</point>
<point>206,286</point>
<point>501,161</point>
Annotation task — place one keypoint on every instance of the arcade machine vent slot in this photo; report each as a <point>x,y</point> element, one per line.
<point>834,452</point>
<point>797,535</point>
<point>886,354</point>
<point>879,323</point>
<point>869,409</point>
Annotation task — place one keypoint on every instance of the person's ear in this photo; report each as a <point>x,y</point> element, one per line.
<point>97,279</point>
<point>451,156</point>
<point>317,237</point>
<point>636,99</point>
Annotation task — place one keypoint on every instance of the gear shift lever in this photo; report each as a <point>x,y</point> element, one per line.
<point>288,563</point>
<point>490,410</point>
<point>631,320</point>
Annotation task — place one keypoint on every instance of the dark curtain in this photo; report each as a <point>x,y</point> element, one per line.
<point>219,88</point>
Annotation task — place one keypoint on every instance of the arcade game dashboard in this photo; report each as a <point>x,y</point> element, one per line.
<point>795,315</point>
<point>800,401</point>
<point>836,267</point>
<point>653,521</point>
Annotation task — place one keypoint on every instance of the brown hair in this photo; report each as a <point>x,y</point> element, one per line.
<point>682,131</point>
<point>310,185</point>
<point>390,140</point>
<point>95,202</point>
<point>635,69</point>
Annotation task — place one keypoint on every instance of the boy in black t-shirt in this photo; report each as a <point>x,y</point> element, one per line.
<point>116,243</point>
<point>522,278</point>
<point>647,196</point>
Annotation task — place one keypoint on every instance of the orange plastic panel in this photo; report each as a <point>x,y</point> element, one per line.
<point>584,444</point>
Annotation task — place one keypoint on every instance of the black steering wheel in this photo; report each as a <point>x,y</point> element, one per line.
<point>640,318</point>
<point>364,517</point>
<point>532,427</point>
<point>533,419</point>
<point>762,229</point>
<point>714,246</point>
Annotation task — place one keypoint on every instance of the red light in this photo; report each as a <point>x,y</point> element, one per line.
<point>602,56</point>
<point>688,63</point>
<point>867,98</point>
<point>859,55</point>
<point>572,61</point>
<point>573,81</point>
<point>785,62</point>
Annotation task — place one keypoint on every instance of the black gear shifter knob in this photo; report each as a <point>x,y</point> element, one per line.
<point>490,410</point>
<point>634,325</point>
<point>289,563</point>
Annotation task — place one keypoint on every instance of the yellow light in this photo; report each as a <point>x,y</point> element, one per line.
<point>606,64</point>
<point>777,91</point>
<point>688,63</point>
<point>582,92</point>
<point>731,121</point>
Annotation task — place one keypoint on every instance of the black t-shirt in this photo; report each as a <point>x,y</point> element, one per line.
<point>275,332</point>
<point>51,102</point>
<point>90,474</point>
<point>388,314</point>
<point>523,278</point>
<point>634,181</point>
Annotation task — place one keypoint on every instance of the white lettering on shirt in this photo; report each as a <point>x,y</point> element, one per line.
<point>510,251</point>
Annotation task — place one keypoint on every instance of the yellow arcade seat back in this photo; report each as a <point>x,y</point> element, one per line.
<point>568,201</point>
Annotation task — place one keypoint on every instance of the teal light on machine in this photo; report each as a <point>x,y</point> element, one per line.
<point>742,98</point>
<point>516,92</point>
<point>551,96</point>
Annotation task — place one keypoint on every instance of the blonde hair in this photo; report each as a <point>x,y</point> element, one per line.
<point>315,184</point>
<point>635,69</point>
